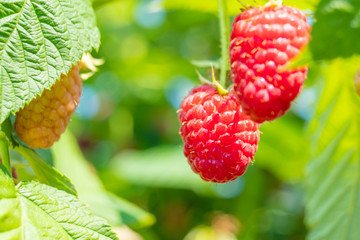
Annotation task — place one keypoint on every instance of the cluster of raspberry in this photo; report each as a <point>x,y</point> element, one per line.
<point>221,131</point>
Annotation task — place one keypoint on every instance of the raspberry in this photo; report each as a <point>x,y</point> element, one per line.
<point>40,123</point>
<point>263,41</point>
<point>219,139</point>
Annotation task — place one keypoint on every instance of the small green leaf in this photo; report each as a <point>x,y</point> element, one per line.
<point>6,128</point>
<point>39,40</point>
<point>45,173</point>
<point>69,160</point>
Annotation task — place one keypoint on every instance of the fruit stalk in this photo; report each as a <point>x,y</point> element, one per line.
<point>4,149</point>
<point>224,33</point>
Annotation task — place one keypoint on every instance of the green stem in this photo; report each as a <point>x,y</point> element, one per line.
<point>4,149</point>
<point>224,38</point>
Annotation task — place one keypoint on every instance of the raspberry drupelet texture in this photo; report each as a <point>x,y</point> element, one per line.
<point>262,43</point>
<point>40,123</point>
<point>219,139</point>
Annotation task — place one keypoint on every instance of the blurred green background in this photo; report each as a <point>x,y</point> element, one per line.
<point>128,130</point>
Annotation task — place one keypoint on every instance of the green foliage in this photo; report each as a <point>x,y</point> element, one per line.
<point>10,215</point>
<point>7,129</point>
<point>137,123</point>
<point>283,158</point>
<point>39,41</point>
<point>45,173</point>
<point>332,177</point>
<point>69,159</point>
<point>336,29</point>
<point>37,211</point>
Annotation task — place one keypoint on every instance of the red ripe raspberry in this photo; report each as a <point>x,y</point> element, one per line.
<point>263,41</point>
<point>219,139</point>
<point>40,123</point>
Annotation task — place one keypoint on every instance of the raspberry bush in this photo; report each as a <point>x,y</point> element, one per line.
<point>302,170</point>
<point>40,43</point>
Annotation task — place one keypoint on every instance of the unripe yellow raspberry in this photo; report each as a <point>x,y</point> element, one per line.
<point>41,122</point>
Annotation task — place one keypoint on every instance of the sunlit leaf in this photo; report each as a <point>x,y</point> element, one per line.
<point>10,213</point>
<point>332,176</point>
<point>38,211</point>
<point>45,173</point>
<point>39,40</point>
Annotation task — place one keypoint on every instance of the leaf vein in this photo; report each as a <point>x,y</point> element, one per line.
<point>10,36</point>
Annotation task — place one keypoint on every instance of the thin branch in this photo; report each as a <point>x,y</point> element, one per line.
<point>224,38</point>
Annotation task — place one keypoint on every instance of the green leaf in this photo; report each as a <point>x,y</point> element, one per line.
<point>45,173</point>
<point>332,176</point>
<point>233,6</point>
<point>10,213</point>
<point>69,160</point>
<point>48,213</point>
<point>39,40</point>
<point>336,30</point>
<point>37,211</point>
